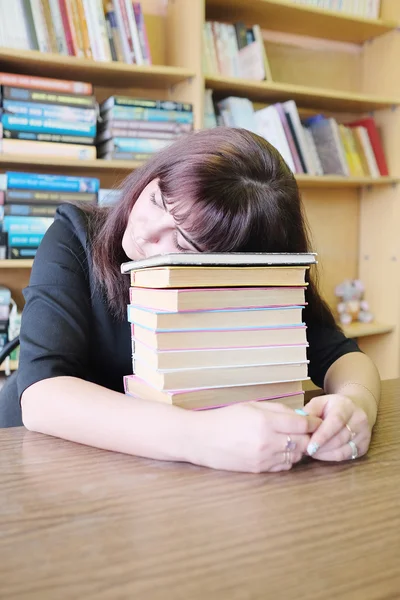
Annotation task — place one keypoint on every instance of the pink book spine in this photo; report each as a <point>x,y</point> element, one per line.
<point>141,26</point>
<point>289,137</point>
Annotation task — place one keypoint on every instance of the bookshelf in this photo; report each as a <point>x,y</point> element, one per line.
<point>354,221</point>
<point>278,15</point>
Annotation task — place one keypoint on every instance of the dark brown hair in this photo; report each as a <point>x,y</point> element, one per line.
<point>246,200</point>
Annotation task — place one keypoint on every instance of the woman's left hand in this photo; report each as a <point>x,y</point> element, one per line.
<point>344,433</point>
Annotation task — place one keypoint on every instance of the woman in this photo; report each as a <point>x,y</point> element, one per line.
<point>216,190</point>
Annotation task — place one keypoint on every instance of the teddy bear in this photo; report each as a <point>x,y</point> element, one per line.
<point>352,307</point>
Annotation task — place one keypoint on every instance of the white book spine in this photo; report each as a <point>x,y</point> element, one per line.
<point>101,29</point>
<point>269,126</point>
<point>313,152</point>
<point>94,34</point>
<point>291,108</point>
<point>58,27</point>
<point>40,26</point>
<point>134,33</point>
<point>121,28</point>
<point>19,32</point>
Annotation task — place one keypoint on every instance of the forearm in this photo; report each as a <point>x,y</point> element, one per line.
<point>86,413</point>
<point>355,375</point>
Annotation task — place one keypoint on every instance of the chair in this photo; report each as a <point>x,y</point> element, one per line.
<point>10,408</point>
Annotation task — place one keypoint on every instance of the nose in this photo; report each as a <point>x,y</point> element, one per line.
<point>155,227</point>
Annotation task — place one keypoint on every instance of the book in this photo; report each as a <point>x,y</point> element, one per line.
<point>47,149</point>
<point>46,97</point>
<point>327,139</point>
<point>19,224</point>
<point>47,137</point>
<point>166,105</point>
<point>228,357</point>
<point>59,112</point>
<point>216,276</point>
<point>211,319</point>
<point>373,134</point>
<point>220,259</point>
<point>290,394</point>
<point>44,83</point>
<point>26,210</point>
<point>47,125</point>
<point>220,376</point>
<point>21,252</point>
<point>240,338</point>
<point>176,300</point>
<point>52,183</point>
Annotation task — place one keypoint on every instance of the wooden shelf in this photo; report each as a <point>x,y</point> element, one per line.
<point>105,74</point>
<point>335,181</point>
<point>308,97</point>
<point>281,15</point>
<point>46,164</point>
<point>356,330</point>
<point>10,263</point>
<point>125,166</point>
<point>13,365</point>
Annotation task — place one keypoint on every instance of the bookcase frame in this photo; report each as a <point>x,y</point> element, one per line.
<point>354,221</point>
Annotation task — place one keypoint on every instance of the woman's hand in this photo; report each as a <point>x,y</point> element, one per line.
<point>345,432</point>
<point>252,437</point>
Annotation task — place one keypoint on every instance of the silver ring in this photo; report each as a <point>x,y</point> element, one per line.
<point>287,457</point>
<point>352,433</point>
<point>290,444</point>
<point>354,450</point>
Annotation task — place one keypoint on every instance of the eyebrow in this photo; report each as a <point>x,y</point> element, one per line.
<point>184,235</point>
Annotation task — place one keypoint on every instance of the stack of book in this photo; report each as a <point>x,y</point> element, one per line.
<point>47,117</point>
<point>135,128</point>
<point>368,9</point>
<point>315,145</point>
<point>28,202</point>
<point>235,51</point>
<point>113,30</point>
<point>209,330</point>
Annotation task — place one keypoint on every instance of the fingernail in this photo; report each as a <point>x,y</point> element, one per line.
<point>301,412</point>
<point>312,448</point>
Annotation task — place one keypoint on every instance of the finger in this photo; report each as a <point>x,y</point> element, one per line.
<point>343,453</point>
<point>292,442</point>
<point>347,433</point>
<point>281,467</point>
<point>293,457</point>
<point>334,422</point>
<point>292,423</point>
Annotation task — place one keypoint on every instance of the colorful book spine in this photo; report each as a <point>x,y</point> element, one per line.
<point>135,145</point>
<point>49,111</point>
<point>31,95</point>
<point>141,27</point>
<point>26,225</point>
<point>167,105</point>
<point>47,149</point>
<point>147,114</point>
<point>52,183</point>
<point>48,137</point>
<point>44,83</point>
<point>171,126</point>
<point>27,210</point>
<point>30,241</point>
<point>22,197</point>
<point>20,252</point>
<point>44,125</point>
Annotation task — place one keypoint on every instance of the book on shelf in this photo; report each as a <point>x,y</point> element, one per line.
<point>35,120</point>
<point>315,145</point>
<point>201,346</point>
<point>91,29</point>
<point>135,128</point>
<point>288,393</point>
<point>29,204</point>
<point>234,50</point>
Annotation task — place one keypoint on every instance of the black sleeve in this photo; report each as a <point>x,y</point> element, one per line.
<point>326,345</point>
<point>56,318</point>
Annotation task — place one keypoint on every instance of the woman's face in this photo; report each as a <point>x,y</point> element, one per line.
<point>152,230</point>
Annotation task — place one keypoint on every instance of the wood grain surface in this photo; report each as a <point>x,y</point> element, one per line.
<point>80,523</point>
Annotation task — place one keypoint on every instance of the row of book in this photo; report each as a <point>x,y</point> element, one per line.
<point>111,31</point>
<point>234,50</point>
<point>28,202</point>
<point>49,117</point>
<point>135,128</point>
<point>368,9</point>
<point>209,335</point>
<point>315,145</point>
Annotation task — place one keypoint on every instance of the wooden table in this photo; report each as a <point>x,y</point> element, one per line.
<point>79,523</point>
